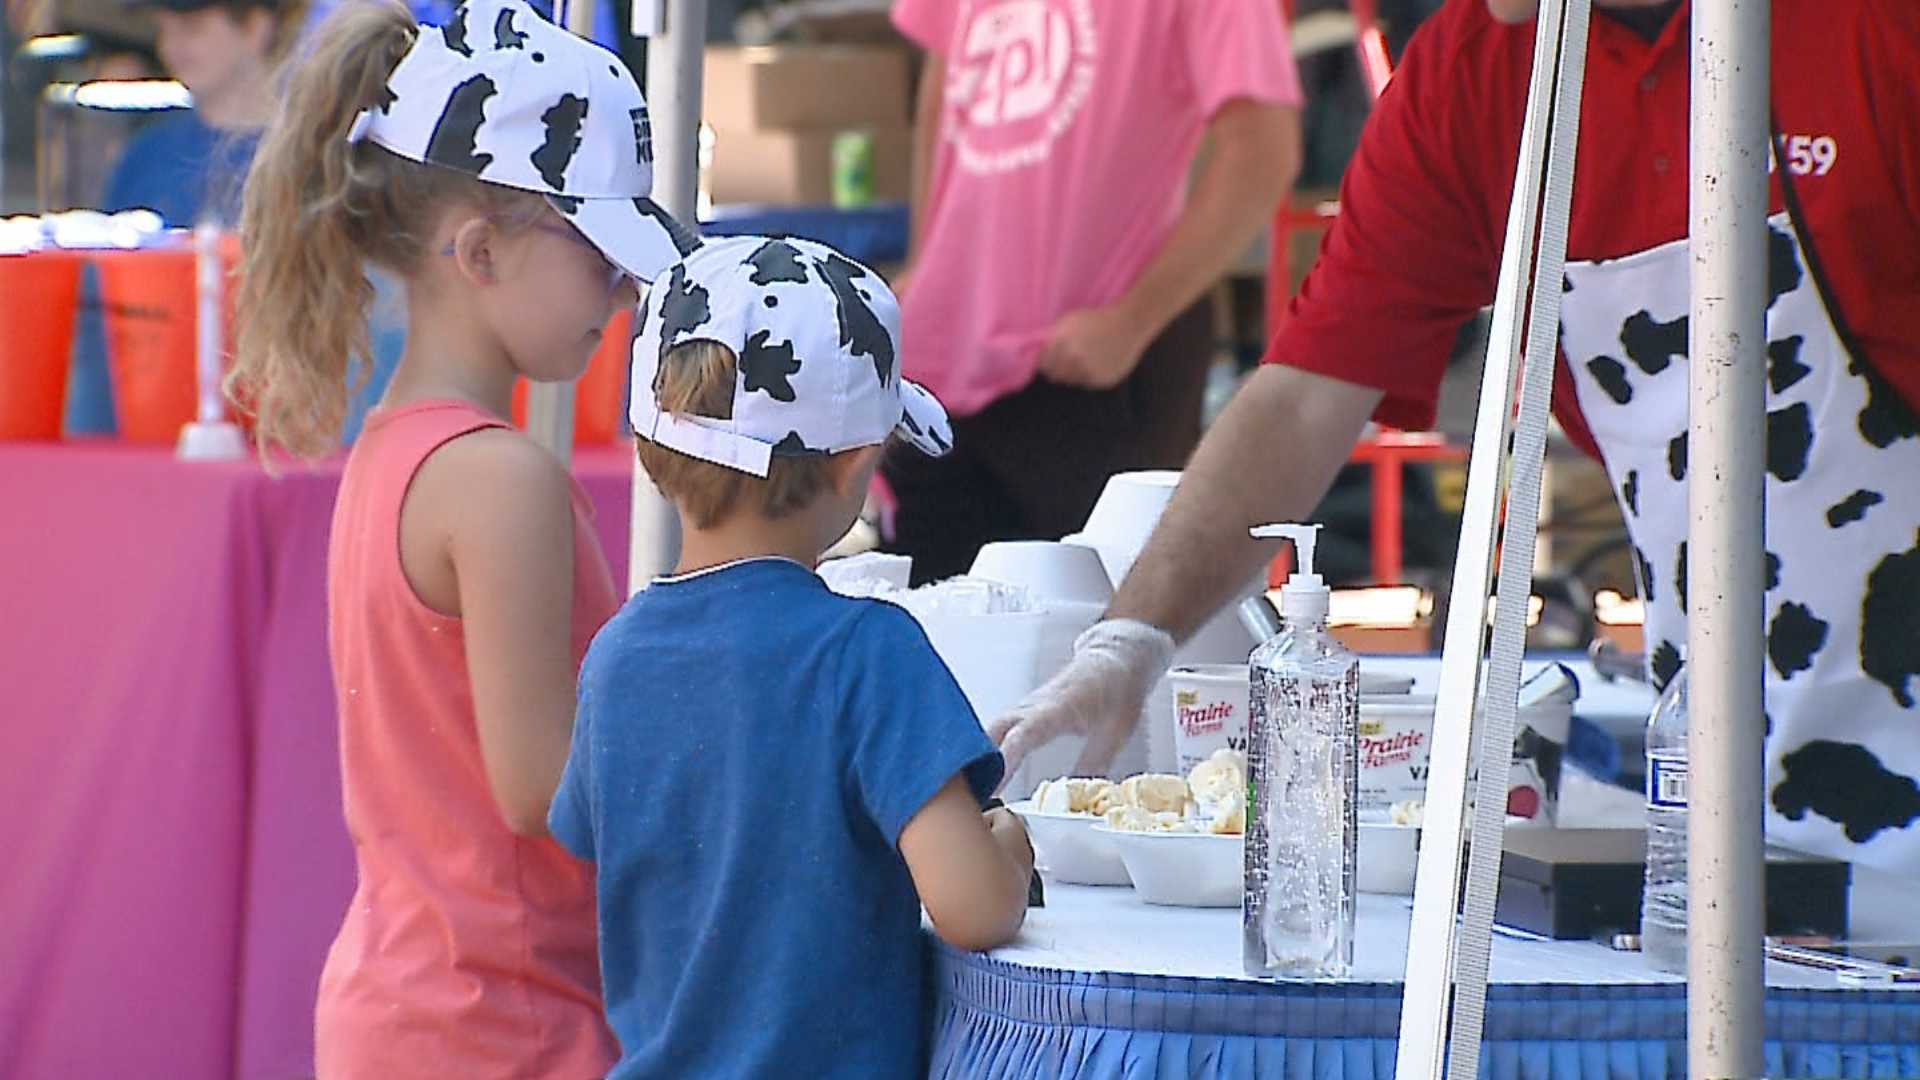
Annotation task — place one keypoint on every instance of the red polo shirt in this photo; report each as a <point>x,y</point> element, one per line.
<point>1416,248</point>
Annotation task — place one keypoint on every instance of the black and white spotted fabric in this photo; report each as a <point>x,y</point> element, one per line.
<point>502,94</point>
<point>818,341</point>
<point>1843,537</point>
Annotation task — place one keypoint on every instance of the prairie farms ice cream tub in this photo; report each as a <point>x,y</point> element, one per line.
<point>1396,741</point>
<point>1209,712</point>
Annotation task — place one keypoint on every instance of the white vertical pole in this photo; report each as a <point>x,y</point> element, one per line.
<point>1442,1010</point>
<point>675,63</point>
<point>1726,990</point>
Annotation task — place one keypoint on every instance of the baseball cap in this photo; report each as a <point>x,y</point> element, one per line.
<point>818,341</point>
<point>503,95</point>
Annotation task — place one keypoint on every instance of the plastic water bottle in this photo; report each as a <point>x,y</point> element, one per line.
<point>1663,904</point>
<point>1303,784</point>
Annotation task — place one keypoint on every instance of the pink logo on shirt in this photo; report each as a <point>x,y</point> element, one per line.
<point>1020,74</point>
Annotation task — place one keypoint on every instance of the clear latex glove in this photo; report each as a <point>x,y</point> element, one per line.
<point>1099,694</point>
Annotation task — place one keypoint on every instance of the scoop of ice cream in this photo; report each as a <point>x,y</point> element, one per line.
<point>1135,819</point>
<point>1223,773</point>
<point>1156,792</point>
<point>1229,814</point>
<point>1408,812</point>
<point>1130,819</point>
<point>1091,795</point>
<point>1053,797</point>
<point>1073,795</point>
<point>1167,821</point>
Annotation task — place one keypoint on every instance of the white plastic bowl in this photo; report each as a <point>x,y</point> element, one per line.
<point>1388,855</point>
<point>1072,849</point>
<point>1050,569</point>
<point>1181,869</point>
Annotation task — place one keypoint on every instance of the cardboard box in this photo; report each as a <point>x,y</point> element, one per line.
<point>795,168</point>
<point>807,87</point>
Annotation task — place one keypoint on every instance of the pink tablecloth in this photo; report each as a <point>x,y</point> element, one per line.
<point>173,863</point>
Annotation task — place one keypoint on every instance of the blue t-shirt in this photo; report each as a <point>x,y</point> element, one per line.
<point>178,167</point>
<point>748,748</point>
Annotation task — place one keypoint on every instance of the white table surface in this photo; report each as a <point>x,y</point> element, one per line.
<point>1109,929</point>
<point>1092,928</point>
<point>1086,928</point>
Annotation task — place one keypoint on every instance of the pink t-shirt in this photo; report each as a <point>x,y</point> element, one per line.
<point>1066,136</point>
<point>467,951</point>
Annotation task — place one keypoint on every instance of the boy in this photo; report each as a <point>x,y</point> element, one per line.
<point>772,778</point>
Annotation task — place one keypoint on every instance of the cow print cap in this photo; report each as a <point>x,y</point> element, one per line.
<point>817,337</point>
<point>501,94</point>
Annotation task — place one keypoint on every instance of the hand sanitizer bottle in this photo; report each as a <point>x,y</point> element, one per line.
<point>1303,785</point>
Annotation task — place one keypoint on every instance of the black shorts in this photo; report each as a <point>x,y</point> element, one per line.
<point>1032,464</point>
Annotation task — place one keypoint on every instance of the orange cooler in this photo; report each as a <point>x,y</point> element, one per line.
<point>149,298</point>
<point>39,297</point>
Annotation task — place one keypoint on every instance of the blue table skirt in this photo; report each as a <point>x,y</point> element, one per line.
<point>994,1020</point>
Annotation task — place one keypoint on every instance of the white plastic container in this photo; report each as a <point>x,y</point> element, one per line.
<point>1180,869</point>
<point>1073,849</point>
<point>1209,712</point>
<point>1388,855</point>
<point>1396,740</point>
<point>1051,570</point>
<point>1210,707</point>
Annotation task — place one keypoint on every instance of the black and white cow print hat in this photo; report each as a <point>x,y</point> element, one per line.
<point>503,95</point>
<point>818,341</point>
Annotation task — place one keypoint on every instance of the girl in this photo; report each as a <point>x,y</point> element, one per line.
<point>499,167</point>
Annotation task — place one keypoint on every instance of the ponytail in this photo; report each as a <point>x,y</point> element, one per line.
<point>316,210</point>
<point>304,292</point>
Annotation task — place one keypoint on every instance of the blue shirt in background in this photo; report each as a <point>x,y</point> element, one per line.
<point>179,167</point>
<point>748,747</point>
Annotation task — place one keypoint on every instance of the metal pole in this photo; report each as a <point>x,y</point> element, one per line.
<point>1726,989</point>
<point>675,59</point>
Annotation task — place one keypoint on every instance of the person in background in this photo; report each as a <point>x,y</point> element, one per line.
<point>771,778</point>
<point>188,165</point>
<point>1417,246</point>
<point>499,167</point>
<point>1059,270</point>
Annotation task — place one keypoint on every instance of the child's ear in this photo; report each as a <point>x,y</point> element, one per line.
<point>473,249</point>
